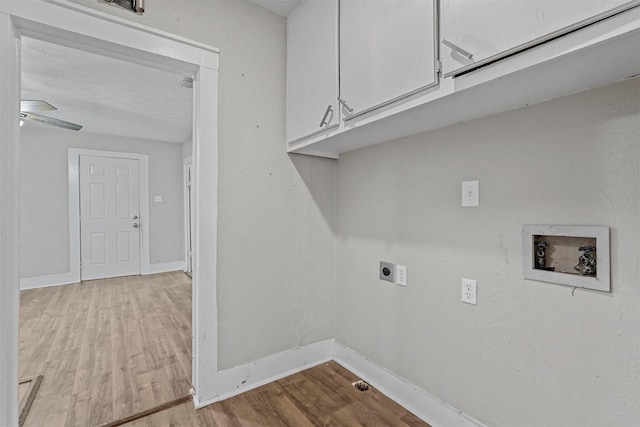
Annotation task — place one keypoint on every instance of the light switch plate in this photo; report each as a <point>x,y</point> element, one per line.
<point>470,193</point>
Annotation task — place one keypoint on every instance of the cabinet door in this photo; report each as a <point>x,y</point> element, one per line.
<point>387,51</point>
<point>474,31</point>
<point>312,69</point>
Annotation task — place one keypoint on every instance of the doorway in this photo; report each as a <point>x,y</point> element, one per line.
<point>79,27</point>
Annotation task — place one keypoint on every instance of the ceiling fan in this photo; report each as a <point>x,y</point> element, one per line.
<point>28,109</point>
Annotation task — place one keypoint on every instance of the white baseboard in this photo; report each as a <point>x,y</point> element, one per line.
<point>48,280</point>
<point>422,404</point>
<point>164,267</point>
<point>240,379</point>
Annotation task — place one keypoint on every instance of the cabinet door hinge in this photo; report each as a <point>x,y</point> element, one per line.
<point>439,66</point>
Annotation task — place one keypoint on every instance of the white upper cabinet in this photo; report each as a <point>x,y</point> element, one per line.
<point>475,32</point>
<point>312,69</point>
<point>380,58</point>
<point>387,51</point>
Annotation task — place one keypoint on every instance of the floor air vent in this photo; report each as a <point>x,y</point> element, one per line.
<point>361,385</point>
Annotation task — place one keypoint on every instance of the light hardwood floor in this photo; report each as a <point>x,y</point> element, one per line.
<point>107,348</point>
<point>112,348</point>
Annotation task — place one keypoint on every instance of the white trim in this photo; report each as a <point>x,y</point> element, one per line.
<point>47,280</point>
<point>9,219</point>
<point>602,280</point>
<point>66,23</point>
<point>145,28</point>
<point>165,267</point>
<point>70,24</point>
<point>205,259</point>
<point>239,379</point>
<point>428,408</point>
<point>188,232</point>
<point>74,204</point>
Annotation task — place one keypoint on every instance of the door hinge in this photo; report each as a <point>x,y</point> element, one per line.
<point>439,66</point>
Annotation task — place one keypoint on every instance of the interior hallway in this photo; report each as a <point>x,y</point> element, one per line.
<point>107,348</point>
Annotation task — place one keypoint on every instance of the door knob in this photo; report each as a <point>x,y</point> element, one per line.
<point>135,217</point>
<point>136,225</point>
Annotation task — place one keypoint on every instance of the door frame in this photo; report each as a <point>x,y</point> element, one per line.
<point>187,163</point>
<point>65,23</point>
<point>73,165</point>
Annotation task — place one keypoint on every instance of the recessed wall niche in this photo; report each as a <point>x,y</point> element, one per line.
<point>567,255</point>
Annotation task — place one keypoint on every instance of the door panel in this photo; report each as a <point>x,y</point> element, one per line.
<point>473,31</point>
<point>123,247</point>
<point>98,248</point>
<point>123,201</point>
<point>312,69</point>
<point>109,201</point>
<point>387,50</point>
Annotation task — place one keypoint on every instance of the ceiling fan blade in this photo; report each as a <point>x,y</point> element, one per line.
<point>31,105</point>
<point>49,120</point>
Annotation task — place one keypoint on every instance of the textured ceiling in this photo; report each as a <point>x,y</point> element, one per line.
<point>280,7</point>
<point>104,95</point>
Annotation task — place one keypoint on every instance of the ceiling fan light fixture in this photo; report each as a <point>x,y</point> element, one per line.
<point>35,105</point>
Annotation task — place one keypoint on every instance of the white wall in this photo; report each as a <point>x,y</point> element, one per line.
<point>187,148</point>
<point>44,210</point>
<point>529,353</point>
<point>276,265</point>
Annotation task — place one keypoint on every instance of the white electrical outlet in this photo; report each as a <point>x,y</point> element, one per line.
<point>470,193</point>
<point>401,275</point>
<point>469,290</point>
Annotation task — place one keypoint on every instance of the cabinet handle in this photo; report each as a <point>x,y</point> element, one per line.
<point>326,113</point>
<point>345,105</point>
<point>458,49</point>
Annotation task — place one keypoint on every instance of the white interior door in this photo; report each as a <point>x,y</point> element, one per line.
<point>109,217</point>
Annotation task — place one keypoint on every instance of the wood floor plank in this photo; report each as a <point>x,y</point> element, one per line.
<point>110,349</point>
<point>107,348</point>
<point>286,403</point>
<point>314,402</point>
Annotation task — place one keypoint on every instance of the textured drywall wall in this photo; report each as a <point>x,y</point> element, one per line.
<point>529,353</point>
<point>187,148</point>
<point>276,245</point>
<point>44,198</point>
